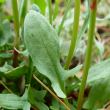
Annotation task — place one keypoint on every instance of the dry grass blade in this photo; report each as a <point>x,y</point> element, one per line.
<point>7,10</point>
<point>34,108</point>
<point>51,92</point>
<point>107,105</point>
<point>98,36</point>
<point>6,87</point>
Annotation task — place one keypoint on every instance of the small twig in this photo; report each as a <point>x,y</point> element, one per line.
<point>51,92</point>
<point>106,105</point>
<point>6,87</point>
<point>34,108</point>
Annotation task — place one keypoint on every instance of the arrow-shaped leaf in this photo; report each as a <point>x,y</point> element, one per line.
<point>42,42</point>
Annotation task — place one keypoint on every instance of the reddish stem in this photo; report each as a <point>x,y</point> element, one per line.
<point>15,53</point>
<point>93,5</point>
<point>15,58</point>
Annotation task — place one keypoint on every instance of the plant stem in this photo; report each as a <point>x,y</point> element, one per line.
<point>65,2</point>
<point>75,31</point>
<point>66,99</point>
<point>30,70</point>
<point>24,12</point>
<point>16,26</point>
<point>50,10</point>
<point>55,9</point>
<point>93,11</point>
<point>64,17</point>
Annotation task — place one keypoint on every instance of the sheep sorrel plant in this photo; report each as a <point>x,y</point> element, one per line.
<point>41,65</point>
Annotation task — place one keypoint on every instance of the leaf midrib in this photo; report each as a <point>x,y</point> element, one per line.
<point>49,56</point>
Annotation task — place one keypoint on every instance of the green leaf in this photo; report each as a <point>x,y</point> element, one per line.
<point>55,104</point>
<point>41,4</point>
<point>72,88</point>
<point>22,10</point>
<point>100,49</point>
<point>25,53</point>
<point>64,17</point>
<point>2,70</point>
<point>2,35</point>
<point>36,8</point>
<point>6,55</point>
<point>55,9</point>
<point>11,101</point>
<point>8,32</point>
<point>8,17</point>
<point>23,63</point>
<point>43,46</point>
<point>71,107</point>
<point>71,72</point>
<point>38,95</point>
<point>58,106</point>
<point>12,86</point>
<point>16,73</point>
<point>99,71</point>
<point>99,1</point>
<point>5,68</point>
<point>98,95</point>
<point>1,2</point>
<point>35,98</point>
